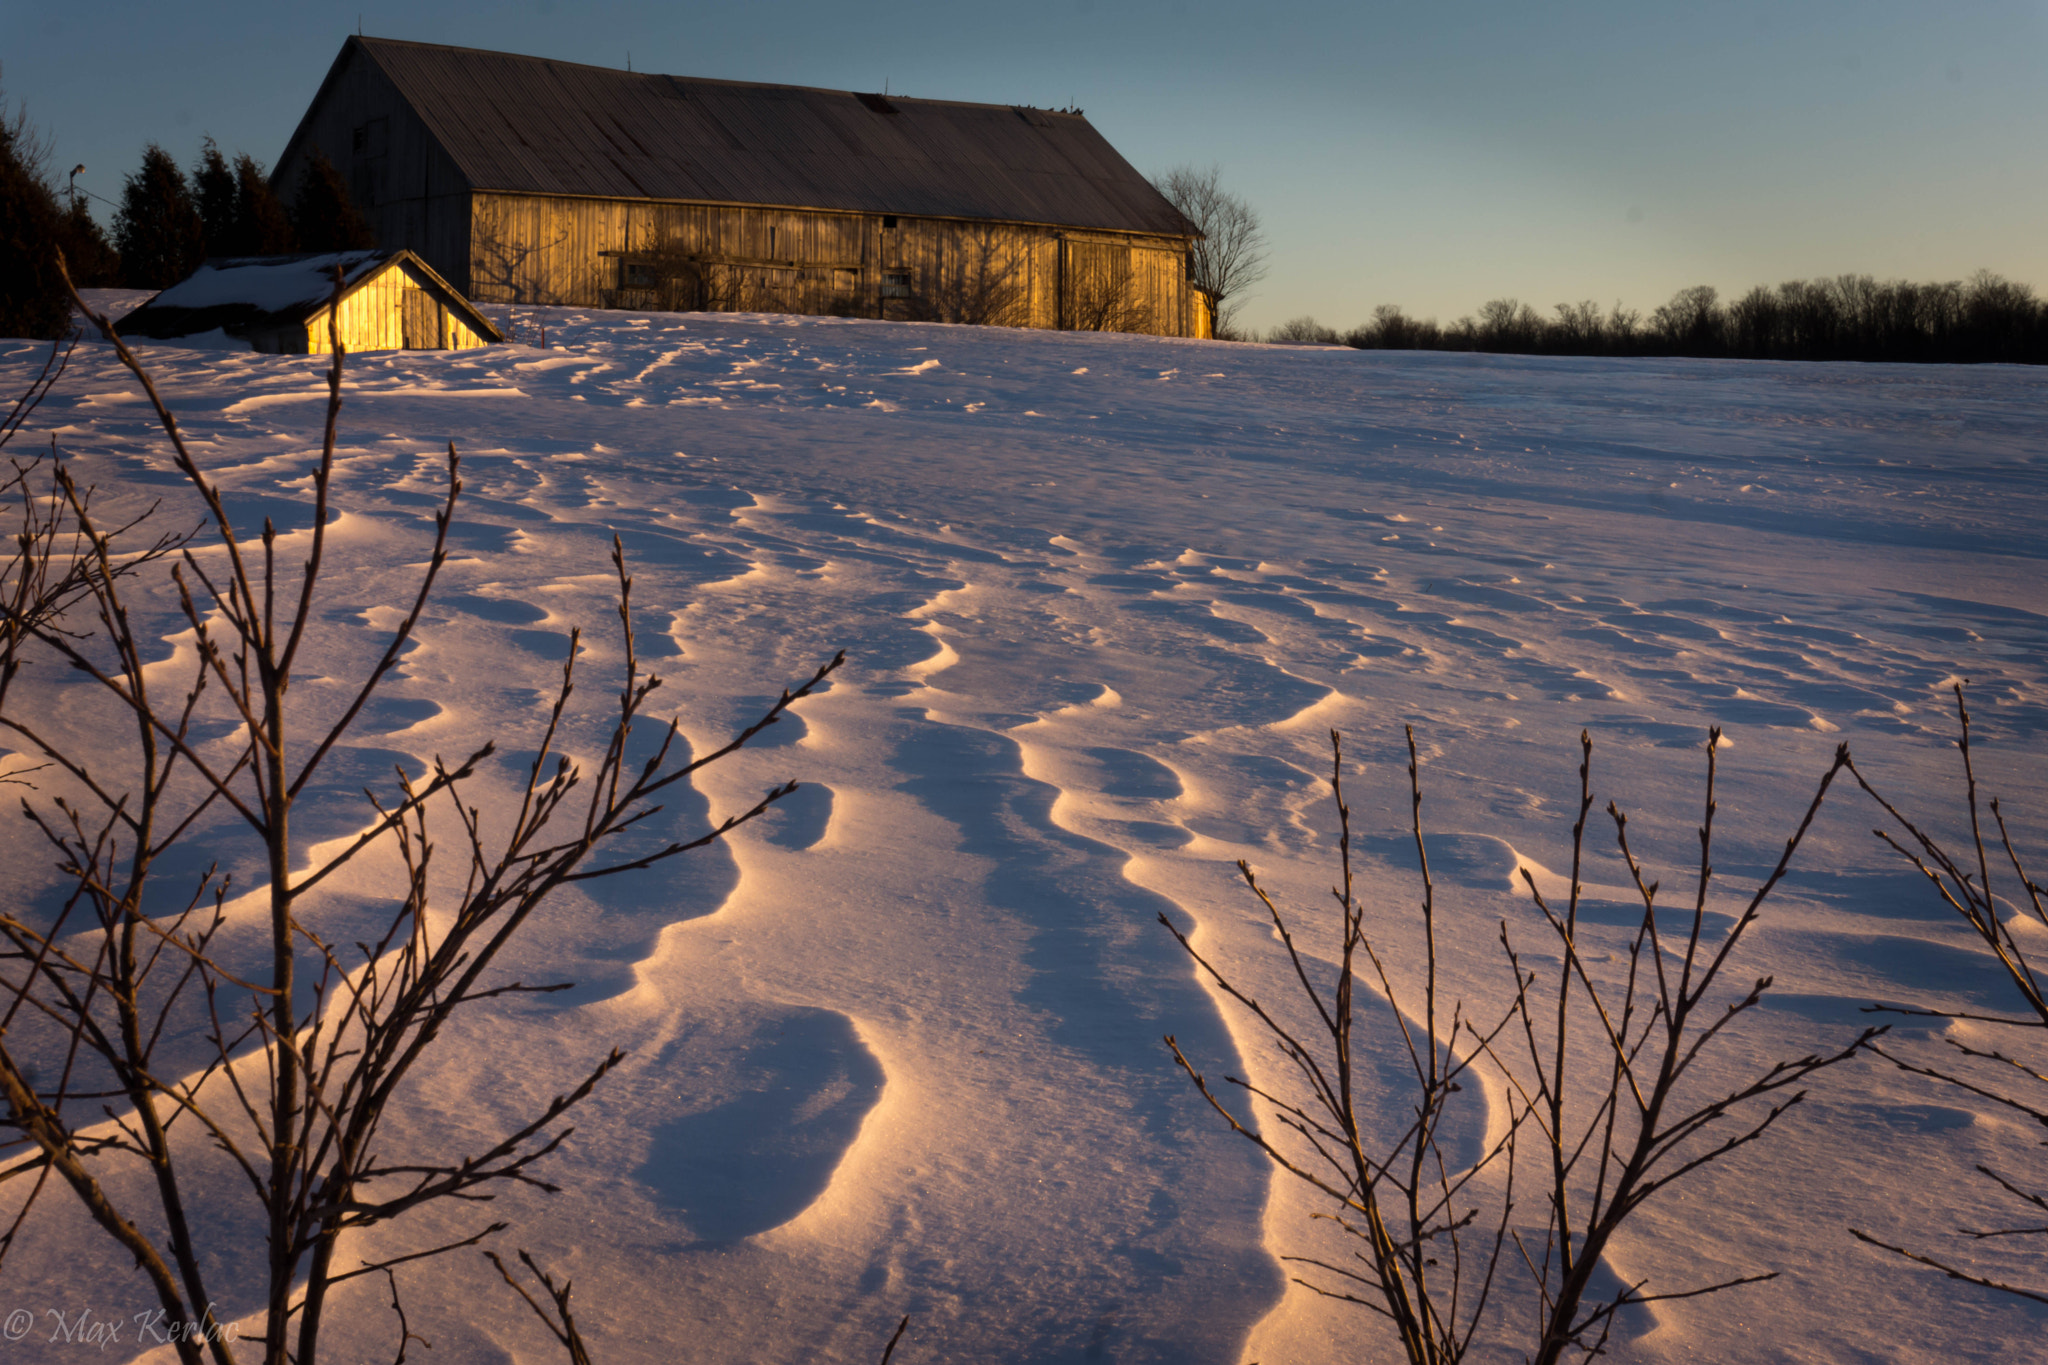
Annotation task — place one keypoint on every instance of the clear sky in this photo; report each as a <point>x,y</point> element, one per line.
<point>1430,155</point>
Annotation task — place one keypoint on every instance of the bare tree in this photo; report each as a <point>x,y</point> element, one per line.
<point>1304,330</point>
<point>1577,328</point>
<point>1692,321</point>
<point>304,1053</point>
<point>1600,1072</point>
<point>1230,255</point>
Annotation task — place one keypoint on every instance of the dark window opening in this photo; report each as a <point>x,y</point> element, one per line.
<point>896,285</point>
<point>636,275</point>
<point>771,241</point>
<point>888,221</point>
<point>370,138</point>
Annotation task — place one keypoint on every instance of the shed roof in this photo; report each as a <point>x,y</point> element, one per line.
<point>537,126</point>
<point>238,294</point>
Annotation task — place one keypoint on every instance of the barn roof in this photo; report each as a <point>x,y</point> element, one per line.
<point>536,126</point>
<point>236,294</point>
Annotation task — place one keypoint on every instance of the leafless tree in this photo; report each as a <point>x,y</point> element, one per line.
<point>1691,321</point>
<point>1599,1067</point>
<point>1508,325</point>
<point>1230,255</point>
<point>1577,329</point>
<point>1304,330</point>
<point>305,1054</point>
<point>2018,1084</point>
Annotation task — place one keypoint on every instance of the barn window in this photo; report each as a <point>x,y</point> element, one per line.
<point>771,241</point>
<point>371,138</point>
<point>637,275</point>
<point>896,285</point>
<point>888,221</point>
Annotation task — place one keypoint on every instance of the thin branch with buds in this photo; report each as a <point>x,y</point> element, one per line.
<point>1963,882</point>
<point>1595,1068</point>
<point>303,1063</point>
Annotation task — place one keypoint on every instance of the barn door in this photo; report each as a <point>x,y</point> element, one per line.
<point>422,321</point>
<point>1096,289</point>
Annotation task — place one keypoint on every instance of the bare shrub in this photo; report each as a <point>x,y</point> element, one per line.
<point>1599,1067</point>
<point>2018,1084</point>
<point>304,1053</point>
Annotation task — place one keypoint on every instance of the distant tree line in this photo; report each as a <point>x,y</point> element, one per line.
<point>1850,317</point>
<point>167,223</point>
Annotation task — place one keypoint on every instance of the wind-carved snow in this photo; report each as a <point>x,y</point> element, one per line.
<point>895,1047</point>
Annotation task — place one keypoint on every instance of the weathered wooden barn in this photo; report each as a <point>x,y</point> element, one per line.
<point>525,180</point>
<point>390,300</point>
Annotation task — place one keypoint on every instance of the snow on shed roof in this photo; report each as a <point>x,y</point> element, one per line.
<point>270,284</point>
<point>538,126</point>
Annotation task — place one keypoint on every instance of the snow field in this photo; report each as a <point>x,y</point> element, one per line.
<point>896,1047</point>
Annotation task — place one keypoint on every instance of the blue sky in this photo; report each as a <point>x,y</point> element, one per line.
<point>1433,156</point>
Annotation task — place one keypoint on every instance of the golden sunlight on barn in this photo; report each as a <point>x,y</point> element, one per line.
<point>526,180</point>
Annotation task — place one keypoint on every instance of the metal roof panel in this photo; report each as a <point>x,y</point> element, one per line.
<point>532,125</point>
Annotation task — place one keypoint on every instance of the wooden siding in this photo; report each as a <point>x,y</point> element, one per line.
<point>398,174</point>
<point>532,125</point>
<point>373,318</point>
<point>626,253</point>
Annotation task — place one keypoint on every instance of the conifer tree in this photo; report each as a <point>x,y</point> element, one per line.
<point>323,215</point>
<point>91,258</point>
<point>158,229</point>
<point>261,226</point>
<point>214,187</point>
<point>32,299</point>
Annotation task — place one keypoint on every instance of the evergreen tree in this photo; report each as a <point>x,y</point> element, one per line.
<point>261,225</point>
<point>32,298</point>
<point>158,229</point>
<point>214,187</point>
<point>92,260</point>
<point>323,215</point>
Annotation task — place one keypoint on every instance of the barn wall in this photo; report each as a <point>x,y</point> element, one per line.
<point>620,253</point>
<point>406,186</point>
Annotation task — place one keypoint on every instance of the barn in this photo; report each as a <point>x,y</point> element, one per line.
<point>390,300</point>
<point>526,180</point>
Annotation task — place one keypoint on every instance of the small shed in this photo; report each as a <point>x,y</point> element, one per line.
<point>390,300</point>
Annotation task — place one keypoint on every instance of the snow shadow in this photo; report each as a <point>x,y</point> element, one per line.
<point>799,820</point>
<point>246,513</point>
<point>1109,976</point>
<point>631,908</point>
<point>1132,776</point>
<point>803,1083</point>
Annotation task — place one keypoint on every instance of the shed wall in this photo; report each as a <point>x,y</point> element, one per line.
<point>373,318</point>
